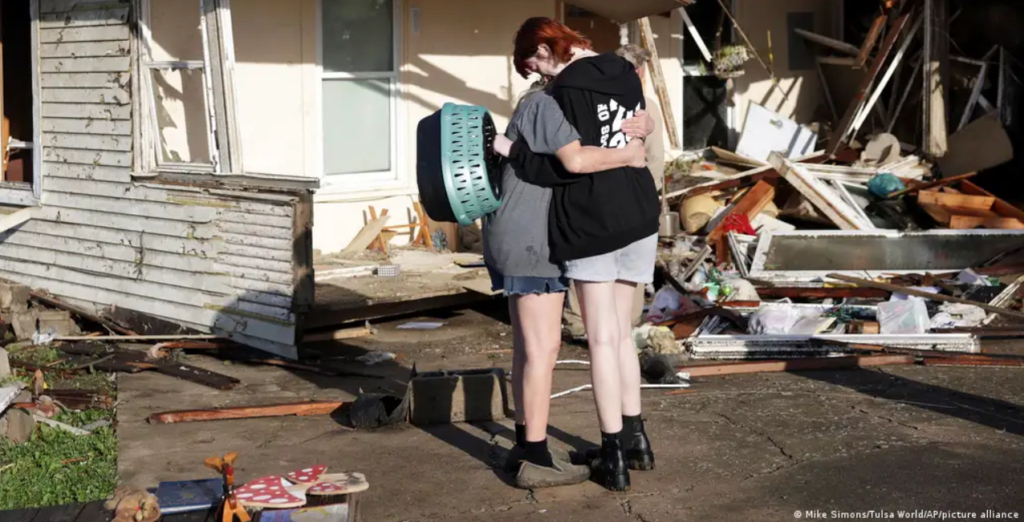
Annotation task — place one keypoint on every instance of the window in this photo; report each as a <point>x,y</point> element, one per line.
<point>360,91</point>
<point>19,133</point>
<point>186,82</point>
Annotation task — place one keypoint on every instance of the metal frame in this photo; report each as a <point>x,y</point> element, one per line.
<point>758,271</point>
<point>396,177</point>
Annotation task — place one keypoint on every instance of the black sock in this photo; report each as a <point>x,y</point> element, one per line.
<point>537,453</point>
<point>632,424</point>
<point>521,435</point>
<point>611,440</point>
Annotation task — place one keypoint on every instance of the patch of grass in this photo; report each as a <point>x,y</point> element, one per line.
<point>37,355</point>
<point>56,467</point>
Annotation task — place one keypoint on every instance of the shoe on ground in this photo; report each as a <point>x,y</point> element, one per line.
<point>516,454</point>
<point>562,473</point>
<point>609,470</point>
<point>638,454</point>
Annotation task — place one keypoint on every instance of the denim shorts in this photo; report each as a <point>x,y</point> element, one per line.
<point>526,285</point>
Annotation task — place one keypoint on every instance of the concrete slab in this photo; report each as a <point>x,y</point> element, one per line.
<point>751,447</point>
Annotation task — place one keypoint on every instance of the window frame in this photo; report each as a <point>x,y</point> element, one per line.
<point>25,194</point>
<point>396,178</point>
<point>217,65</point>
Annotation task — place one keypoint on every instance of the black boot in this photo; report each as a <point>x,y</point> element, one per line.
<point>639,455</point>
<point>636,446</point>
<point>609,468</point>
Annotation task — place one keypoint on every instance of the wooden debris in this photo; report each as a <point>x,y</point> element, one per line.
<point>831,43</point>
<point>658,76</point>
<point>247,412</point>
<point>750,204</point>
<point>918,293</point>
<point>869,43</point>
<point>367,235</point>
<point>800,292</point>
<point>137,338</point>
<point>794,365</point>
<point>61,426</point>
<point>57,303</point>
<point>338,335</point>
<point>819,194</point>
<point>932,184</point>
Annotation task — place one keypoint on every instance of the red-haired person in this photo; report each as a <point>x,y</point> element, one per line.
<point>602,227</point>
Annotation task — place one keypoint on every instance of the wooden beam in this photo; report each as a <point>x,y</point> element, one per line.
<point>931,185</point>
<point>919,293</point>
<point>246,412</point>
<point>658,77</point>
<point>367,235</point>
<point>800,292</point>
<point>955,200</point>
<point>750,204</point>
<point>838,138</point>
<point>936,135</point>
<point>696,35</point>
<point>880,87</point>
<point>796,365</point>
<point>820,195</point>
<point>871,40</point>
<point>831,43</point>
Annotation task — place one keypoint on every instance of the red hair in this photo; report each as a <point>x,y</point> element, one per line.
<point>556,35</point>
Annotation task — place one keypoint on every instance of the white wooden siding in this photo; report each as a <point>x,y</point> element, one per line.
<point>213,260</point>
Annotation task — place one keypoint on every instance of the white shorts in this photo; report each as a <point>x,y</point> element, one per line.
<point>633,263</point>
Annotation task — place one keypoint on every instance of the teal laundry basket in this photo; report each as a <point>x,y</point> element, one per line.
<point>457,170</point>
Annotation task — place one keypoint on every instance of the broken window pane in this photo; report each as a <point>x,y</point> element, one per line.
<point>176,31</point>
<point>357,126</point>
<point>358,36</point>
<point>181,119</point>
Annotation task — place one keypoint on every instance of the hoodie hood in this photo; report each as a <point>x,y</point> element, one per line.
<point>604,73</point>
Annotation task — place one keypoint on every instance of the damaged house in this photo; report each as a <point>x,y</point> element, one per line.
<point>166,158</point>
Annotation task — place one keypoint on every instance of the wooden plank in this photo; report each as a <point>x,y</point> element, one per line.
<point>261,242</point>
<point>87,18</point>
<point>155,244</point>
<point>113,64</point>
<point>837,60</point>
<point>796,365</point>
<point>247,412</point>
<point>839,134</point>
<point>822,293</point>
<point>66,513</point>
<point>95,512</point>
<point>266,265</point>
<point>881,85</point>
<point>932,184</point>
<point>1000,206</point>
<point>939,214</point>
<point>366,236</point>
<point>926,295</point>
<point>60,6</point>
<point>83,80</point>
<point>338,335</point>
<point>955,200</point>
<point>53,302</point>
<point>251,287</point>
<point>961,222</point>
<point>87,157</point>
<point>127,207</point>
<point>869,43</point>
<point>658,77</point>
<point>254,230</point>
<point>98,111</point>
<point>78,126</point>
<point>126,223</point>
<point>831,43</point>
<point>87,246</point>
<point>254,274</point>
<point>84,49</point>
<point>326,316</point>
<point>96,95</point>
<point>90,142</point>
<point>85,34</point>
<point>933,92</point>
<point>255,252</point>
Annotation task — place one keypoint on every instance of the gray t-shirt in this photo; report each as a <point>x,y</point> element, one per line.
<point>516,235</point>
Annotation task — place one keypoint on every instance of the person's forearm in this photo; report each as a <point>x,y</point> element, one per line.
<point>588,160</point>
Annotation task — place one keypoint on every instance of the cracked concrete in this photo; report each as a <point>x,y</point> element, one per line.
<point>750,447</point>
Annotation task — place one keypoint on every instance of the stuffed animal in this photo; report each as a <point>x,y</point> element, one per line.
<point>133,505</point>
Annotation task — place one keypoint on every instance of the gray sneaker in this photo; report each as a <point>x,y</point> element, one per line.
<point>515,457</point>
<point>532,476</point>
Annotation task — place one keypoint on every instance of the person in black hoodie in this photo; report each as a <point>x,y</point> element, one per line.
<point>602,227</point>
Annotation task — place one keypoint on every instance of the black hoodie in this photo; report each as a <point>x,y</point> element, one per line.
<point>602,212</point>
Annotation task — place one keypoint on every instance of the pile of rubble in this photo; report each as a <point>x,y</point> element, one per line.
<point>800,245</point>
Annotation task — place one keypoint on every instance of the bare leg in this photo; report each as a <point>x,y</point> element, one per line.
<point>628,363</point>
<point>518,361</point>
<point>600,316</point>
<point>541,332</point>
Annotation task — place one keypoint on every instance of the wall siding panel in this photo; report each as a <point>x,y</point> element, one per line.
<point>214,260</point>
